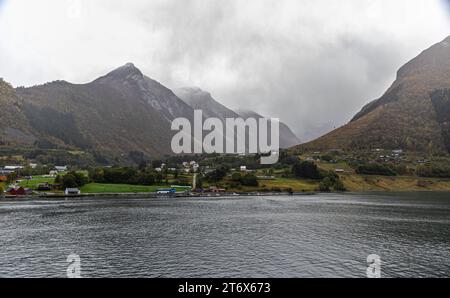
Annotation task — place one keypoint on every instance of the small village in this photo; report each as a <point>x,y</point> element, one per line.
<point>372,170</point>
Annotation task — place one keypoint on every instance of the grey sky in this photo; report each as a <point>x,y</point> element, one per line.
<point>313,63</point>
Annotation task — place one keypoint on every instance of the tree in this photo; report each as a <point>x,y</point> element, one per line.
<point>97,175</point>
<point>327,157</point>
<point>142,165</point>
<point>217,174</point>
<point>249,180</point>
<point>156,163</point>
<point>307,170</point>
<point>165,173</point>
<point>339,186</point>
<point>80,178</point>
<point>236,177</point>
<point>69,181</point>
<point>325,184</point>
<point>290,160</point>
<point>183,181</point>
<point>375,169</point>
<point>11,178</point>
<point>74,179</point>
<point>158,178</point>
<point>199,182</point>
<point>437,171</point>
<point>58,179</point>
<point>147,179</point>
<point>331,181</point>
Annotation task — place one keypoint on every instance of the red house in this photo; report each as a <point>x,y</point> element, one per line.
<point>17,191</point>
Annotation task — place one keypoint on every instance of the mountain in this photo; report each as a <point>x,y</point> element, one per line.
<point>413,114</point>
<point>202,100</point>
<point>121,112</point>
<point>134,85</point>
<point>14,127</point>
<point>287,137</point>
<point>199,99</point>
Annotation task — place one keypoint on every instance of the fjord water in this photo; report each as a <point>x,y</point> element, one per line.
<point>283,236</point>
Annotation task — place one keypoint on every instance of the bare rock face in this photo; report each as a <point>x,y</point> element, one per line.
<point>133,84</point>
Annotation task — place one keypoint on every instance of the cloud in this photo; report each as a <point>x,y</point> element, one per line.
<point>313,63</point>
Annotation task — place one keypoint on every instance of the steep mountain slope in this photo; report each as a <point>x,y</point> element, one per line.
<point>121,112</point>
<point>199,99</point>
<point>134,85</point>
<point>116,114</point>
<point>405,116</point>
<point>14,127</point>
<point>287,137</point>
<point>441,103</point>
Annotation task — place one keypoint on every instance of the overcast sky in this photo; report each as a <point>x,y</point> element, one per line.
<point>313,63</point>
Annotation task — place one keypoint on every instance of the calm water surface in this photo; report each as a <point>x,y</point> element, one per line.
<point>308,236</point>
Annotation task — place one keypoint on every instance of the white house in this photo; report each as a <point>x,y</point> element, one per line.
<point>243,168</point>
<point>72,191</point>
<point>61,168</point>
<point>13,168</point>
<point>53,173</point>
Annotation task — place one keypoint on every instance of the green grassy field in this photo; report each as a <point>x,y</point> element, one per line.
<point>35,181</point>
<point>121,188</point>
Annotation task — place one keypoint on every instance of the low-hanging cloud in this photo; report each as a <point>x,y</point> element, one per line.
<point>313,63</point>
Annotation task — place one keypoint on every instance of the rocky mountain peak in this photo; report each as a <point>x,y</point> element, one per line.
<point>127,72</point>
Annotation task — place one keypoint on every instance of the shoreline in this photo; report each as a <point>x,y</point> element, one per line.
<point>147,195</point>
<point>49,197</point>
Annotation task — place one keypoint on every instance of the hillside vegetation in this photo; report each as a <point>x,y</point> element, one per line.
<point>411,115</point>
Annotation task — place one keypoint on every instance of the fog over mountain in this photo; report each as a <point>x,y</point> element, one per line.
<point>312,63</point>
<point>202,100</point>
<point>413,114</point>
